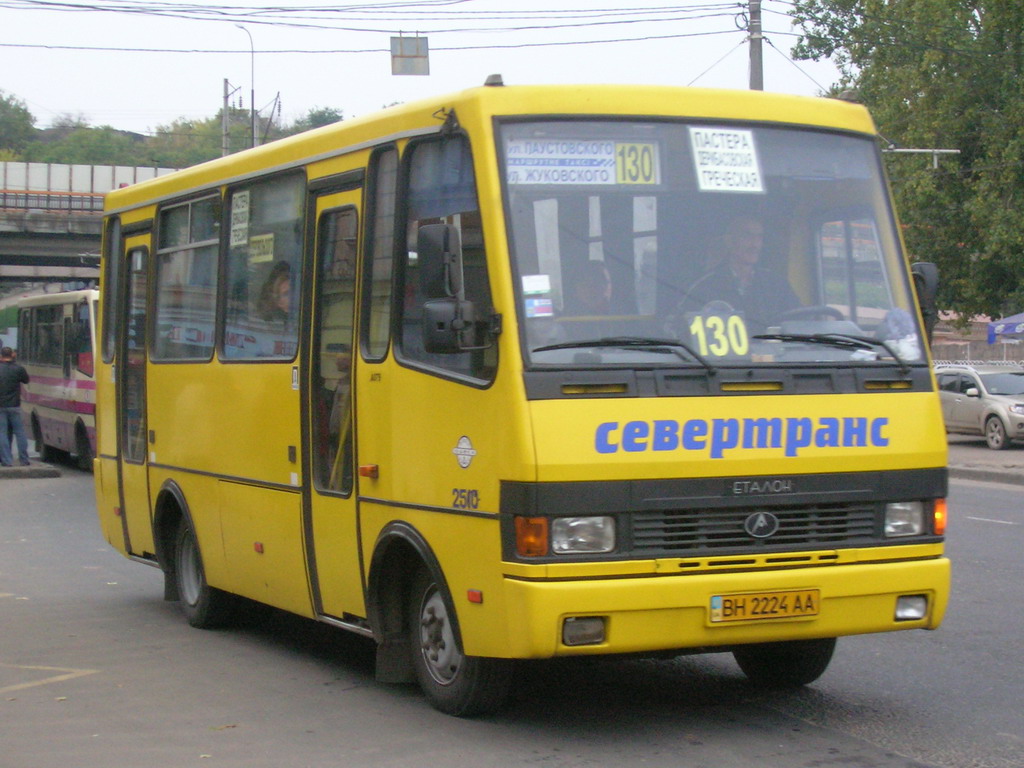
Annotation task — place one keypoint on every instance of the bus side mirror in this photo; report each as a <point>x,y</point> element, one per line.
<point>926,281</point>
<point>449,325</point>
<point>439,261</point>
<point>449,321</point>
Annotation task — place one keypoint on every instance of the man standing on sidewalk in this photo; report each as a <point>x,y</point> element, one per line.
<point>12,376</point>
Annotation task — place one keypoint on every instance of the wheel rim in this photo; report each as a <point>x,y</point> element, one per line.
<point>190,576</point>
<point>441,656</point>
<point>995,433</point>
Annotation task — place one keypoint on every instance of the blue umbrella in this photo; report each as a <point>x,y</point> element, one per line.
<point>1008,327</point>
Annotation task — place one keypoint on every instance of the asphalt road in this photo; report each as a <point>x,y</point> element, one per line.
<point>96,671</point>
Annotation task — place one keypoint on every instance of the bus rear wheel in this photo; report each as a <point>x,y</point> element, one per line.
<point>46,452</point>
<point>456,684</point>
<point>785,665</point>
<point>204,606</point>
<point>83,448</point>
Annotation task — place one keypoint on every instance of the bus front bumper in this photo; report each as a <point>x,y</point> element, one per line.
<point>664,613</point>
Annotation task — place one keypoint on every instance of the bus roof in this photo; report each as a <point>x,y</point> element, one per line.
<point>426,115</point>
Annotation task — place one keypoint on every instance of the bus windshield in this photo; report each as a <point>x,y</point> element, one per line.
<point>667,243</point>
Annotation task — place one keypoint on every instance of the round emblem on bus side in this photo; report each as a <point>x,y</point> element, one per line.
<point>464,451</point>
<point>761,524</point>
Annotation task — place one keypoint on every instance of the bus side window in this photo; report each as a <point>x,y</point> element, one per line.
<point>264,276</point>
<point>379,253</point>
<point>186,280</point>
<point>332,363</point>
<point>441,190</point>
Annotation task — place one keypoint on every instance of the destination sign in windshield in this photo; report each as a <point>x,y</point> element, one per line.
<point>581,162</point>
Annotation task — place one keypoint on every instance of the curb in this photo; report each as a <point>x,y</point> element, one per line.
<point>32,470</point>
<point>987,475</point>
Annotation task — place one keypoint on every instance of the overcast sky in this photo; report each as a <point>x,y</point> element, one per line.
<point>340,58</point>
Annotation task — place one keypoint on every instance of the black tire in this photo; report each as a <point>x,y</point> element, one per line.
<point>456,684</point>
<point>83,449</point>
<point>785,665</point>
<point>204,606</point>
<point>46,452</point>
<point>995,434</point>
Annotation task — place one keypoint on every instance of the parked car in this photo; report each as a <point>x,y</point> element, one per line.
<point>983,400</point>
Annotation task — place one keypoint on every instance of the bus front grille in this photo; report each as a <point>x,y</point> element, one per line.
<point>813,526</point>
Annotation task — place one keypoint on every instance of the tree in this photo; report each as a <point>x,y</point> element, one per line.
<point>17,125</point>
<point>942,74</point>
<point>86,146</point>
<point>188,142</point>
<point>317,117</point>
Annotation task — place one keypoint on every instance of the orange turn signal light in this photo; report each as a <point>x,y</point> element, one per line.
<point>531,536</point>
<point>939,517</point>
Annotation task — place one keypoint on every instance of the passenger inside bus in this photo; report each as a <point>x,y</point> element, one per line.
<point>590,293</point>
<point>276,294</point>
<point>739,280</point>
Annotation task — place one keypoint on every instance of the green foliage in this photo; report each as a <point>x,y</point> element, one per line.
<point>942,74</point>
<point>316,118</point>
<point>16,124</point>
<point>70,138</point>
<point>87,146</point>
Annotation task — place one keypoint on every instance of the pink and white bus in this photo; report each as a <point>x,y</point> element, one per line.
<point>56,339</point>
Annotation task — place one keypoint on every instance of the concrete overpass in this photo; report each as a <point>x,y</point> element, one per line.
<point>50,218</point>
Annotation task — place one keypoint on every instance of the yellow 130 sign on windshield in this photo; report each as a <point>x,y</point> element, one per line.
<point>720,335</point>
<point>636,163</point>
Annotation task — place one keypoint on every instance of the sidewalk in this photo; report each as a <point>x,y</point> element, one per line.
<point>35,469</point>
<point>971,459</point>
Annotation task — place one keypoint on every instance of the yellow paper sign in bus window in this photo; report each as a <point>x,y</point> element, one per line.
<point>261,248</point>
<point>636,163</point>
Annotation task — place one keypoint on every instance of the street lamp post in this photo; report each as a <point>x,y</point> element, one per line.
<point>252,86</point>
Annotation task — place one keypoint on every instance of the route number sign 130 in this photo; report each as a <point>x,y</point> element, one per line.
<point>720,335</point>
<point>636,163</point>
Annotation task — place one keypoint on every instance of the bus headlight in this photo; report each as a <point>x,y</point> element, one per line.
<point>904,518</point>
<point>582,535</point>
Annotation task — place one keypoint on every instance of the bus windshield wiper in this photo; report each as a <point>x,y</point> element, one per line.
<point>847,340</point>
<point>633,341</point>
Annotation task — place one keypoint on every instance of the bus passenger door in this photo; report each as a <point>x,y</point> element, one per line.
<point>130,385</point>
<point>331,514</point>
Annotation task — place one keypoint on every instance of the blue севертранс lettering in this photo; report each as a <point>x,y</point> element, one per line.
<point>717,436</point>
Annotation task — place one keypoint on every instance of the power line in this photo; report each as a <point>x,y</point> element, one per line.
<point>292,51</point>
<point>299,18</point>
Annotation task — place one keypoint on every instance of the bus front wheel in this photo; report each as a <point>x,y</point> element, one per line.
<point>204,606</point>
<point>456,684</point>
<point>785,665</point>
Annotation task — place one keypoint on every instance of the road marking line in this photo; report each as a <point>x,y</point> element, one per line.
<point>69,674</point>
<point>990,520</point>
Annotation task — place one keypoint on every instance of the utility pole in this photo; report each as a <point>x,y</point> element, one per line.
<point>225,122</point>
<point>756,63</point>
<point>224,148</point>
<point>252,85</point>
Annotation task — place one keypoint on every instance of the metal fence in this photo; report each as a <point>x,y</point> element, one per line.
<point>60,187</point>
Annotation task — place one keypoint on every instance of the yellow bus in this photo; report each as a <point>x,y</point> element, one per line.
<point>56,342</point>
<point>452,376</point>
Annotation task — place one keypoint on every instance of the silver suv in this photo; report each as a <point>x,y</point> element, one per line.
<point>983,400</point>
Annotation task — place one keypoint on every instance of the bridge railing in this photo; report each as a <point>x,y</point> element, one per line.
<point>60,187</point>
